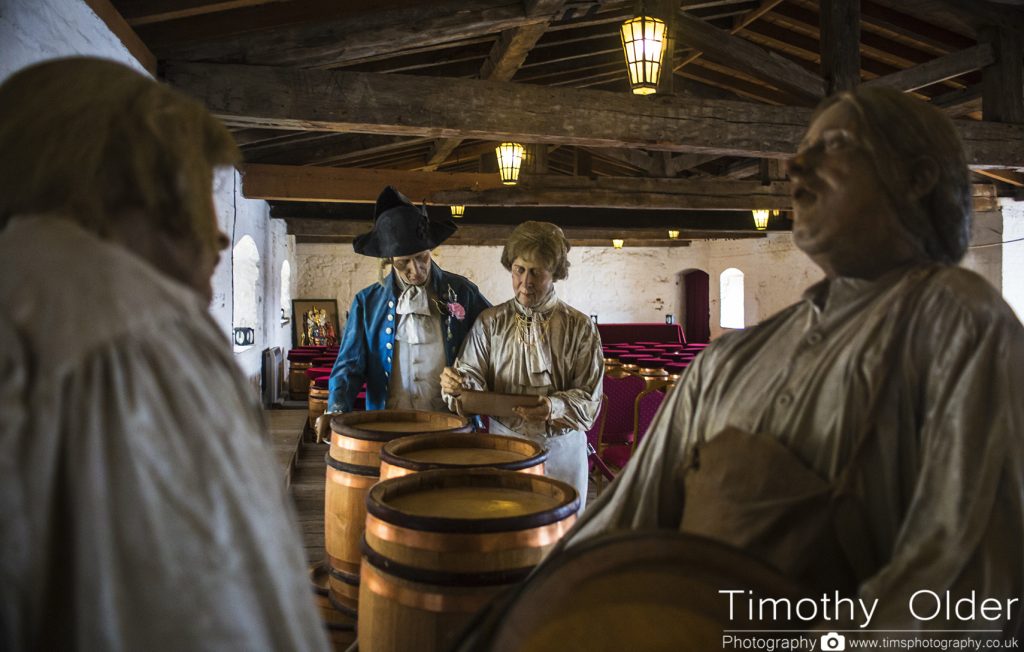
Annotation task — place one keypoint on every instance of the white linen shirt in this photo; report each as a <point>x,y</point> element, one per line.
<point>140,506</point>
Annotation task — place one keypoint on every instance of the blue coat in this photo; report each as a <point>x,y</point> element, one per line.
<point>365,352</point>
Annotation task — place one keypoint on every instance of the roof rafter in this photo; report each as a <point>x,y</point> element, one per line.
<point>459,108</point>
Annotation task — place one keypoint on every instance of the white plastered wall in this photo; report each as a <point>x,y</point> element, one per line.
<point>633,284</point>
<point>1013,254</point>
<point>32,31</point>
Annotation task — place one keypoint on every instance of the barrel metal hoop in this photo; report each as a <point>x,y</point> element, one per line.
<point>413,465</point>
<point>442,578</point>
<point>367,471</point>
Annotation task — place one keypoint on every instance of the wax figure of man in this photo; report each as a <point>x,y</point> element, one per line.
<point>138,497</point>
<point>402,331</point>
<point>537,344</point>
<point>869,438</point>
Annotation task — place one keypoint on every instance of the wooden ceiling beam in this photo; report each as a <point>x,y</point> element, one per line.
<point>703,73</point>
<point>738,24</point>
<point>506,57</point>
<point>308,183</point>
<point>357,36</point>
<point>464,240</point>
<point>924,36</point>
<point>124,33</point>
<point>722,46</point>
<point>808,22</point>
<point>699,221</point>
<point>1003,82</point>
<point>634,158</point>
<point>937,70</point>
<point>287,98</point>
<point>799,45</point>
<point>839,26</point>
<point>144,12</point>
<point>352,228</point>
<point>964,17</point>
<point>317,184</point>
<point>626,193</point>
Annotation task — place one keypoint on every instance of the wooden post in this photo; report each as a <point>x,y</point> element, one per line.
<point>840,44</point>
<point>584,162</point>
<point>539,157</point>
<point>1002,82</point>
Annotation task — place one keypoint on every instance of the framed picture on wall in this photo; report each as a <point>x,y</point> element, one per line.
<point>315,322</point>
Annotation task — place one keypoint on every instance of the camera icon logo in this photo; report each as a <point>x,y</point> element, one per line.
<point>833,641</point>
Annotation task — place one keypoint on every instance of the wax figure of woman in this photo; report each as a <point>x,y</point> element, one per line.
<point>139,498</point>
<point>536,344</point>
<point>878,422</point>
<point>402,331</point>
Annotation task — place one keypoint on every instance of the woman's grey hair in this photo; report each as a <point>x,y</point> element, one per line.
<point>900,132</point>
<point>539,242</point>
<point>98,142</point>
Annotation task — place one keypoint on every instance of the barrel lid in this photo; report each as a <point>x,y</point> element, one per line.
<point>407,452</point>
<point>658,590</point>
<point>385,425</point>
<point>473,501</point>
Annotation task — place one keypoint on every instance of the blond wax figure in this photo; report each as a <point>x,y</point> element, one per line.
<point>140,506</point>
<point>536,344</point>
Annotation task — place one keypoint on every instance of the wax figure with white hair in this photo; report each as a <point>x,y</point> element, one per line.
<point>869,438</point>
<point>536,344</point>
<point>402,331</point>
<point>141,507</point>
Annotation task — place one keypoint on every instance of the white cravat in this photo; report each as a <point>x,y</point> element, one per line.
<point>414,308</point>
<point>418,353</point>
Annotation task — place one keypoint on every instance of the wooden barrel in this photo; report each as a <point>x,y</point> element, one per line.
<point>353,466</point>
<point>418,453</point>
<point>633,591</point>
<point>440,545</point>
<point>317,403</point>
<point>340,625</point>
<point>298,383</point>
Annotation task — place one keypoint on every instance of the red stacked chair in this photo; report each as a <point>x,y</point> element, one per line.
<point>630,360</point>
<point>645,407</point>
<point>617,424</point>
<point>675,370</point>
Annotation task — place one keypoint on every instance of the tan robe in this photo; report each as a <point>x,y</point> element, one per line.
<point>943,480</point>
<point>140,504</point>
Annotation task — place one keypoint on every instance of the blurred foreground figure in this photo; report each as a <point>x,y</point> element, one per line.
<point>140,506</point>
<point>869,439</point>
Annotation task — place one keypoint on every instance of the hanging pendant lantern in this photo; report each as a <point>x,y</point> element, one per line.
<point>673,234</point>
<point>643,42</point>
<point>458,211</point>
<point>617,243</point>
<point>761,218</point>
<point>510,159</point>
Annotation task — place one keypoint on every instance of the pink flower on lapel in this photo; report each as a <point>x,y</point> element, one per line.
<point>456,310</point>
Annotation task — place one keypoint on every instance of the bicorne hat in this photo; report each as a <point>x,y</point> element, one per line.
<point>400,229</point>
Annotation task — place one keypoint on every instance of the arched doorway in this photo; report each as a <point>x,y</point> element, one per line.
<point>696,309</point>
